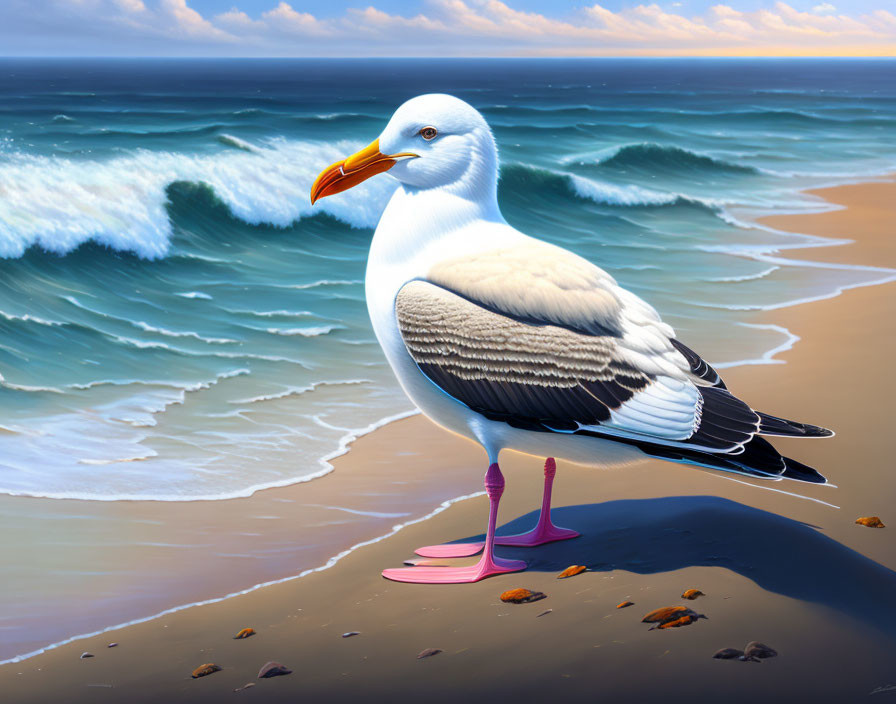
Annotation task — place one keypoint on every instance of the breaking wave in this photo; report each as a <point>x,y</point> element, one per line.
<point>58,203</point>
<point>526,179</point>
<point>664,157</point>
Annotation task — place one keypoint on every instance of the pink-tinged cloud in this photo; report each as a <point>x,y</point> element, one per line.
<point>467,28</point>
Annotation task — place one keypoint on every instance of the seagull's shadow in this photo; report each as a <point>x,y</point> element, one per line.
<point>781,555</point>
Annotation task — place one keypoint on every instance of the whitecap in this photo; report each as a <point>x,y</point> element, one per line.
<point>609,194</point>
<point>58,203</point>
<point>316,331</point>
<point>327,282</point>
<point>236,142</point>
<point>28,318</point>
<point>272,313</point>
<point>195,335</point>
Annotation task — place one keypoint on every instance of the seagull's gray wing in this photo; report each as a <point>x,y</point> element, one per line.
<point>515,366</point>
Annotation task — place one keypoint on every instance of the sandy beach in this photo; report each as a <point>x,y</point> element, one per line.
<point>796,574</point>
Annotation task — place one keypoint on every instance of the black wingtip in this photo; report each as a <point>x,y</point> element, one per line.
<point>801,472</point>
<point>757,458</point>
<point>772,425</point>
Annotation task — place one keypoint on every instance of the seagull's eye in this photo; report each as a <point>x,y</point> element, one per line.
<point>428,133</point>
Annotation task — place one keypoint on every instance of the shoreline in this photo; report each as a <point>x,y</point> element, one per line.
<point>780,222</point>
<point>384,440</point>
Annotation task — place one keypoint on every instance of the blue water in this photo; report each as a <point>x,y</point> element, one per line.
<point>177,322</point>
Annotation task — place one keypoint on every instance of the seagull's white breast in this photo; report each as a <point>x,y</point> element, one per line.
<point>418,230</point>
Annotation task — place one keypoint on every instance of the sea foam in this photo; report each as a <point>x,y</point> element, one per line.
<point>60,203</point>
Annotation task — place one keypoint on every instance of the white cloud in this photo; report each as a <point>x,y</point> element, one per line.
<point>237,21</point>
<point>131,5</point>
<point>449,27</point>
<point>186,20</point>
<point>284,18</point>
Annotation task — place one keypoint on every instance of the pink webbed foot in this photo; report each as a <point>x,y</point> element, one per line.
<point>454,575</point>
<point>488,564</point>
<point>544,532</point>
<point>538,536</point>
<point>451,550</point>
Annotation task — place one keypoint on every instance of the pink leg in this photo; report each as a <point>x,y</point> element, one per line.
<point>544,532</point>
<point>488,564</point>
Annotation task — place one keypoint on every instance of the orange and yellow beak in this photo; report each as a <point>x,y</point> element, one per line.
<point>343,175</point>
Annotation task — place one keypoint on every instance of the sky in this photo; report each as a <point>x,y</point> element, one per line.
<point>281,28</point>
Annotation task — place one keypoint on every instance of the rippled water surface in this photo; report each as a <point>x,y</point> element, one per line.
<point>176,320</point>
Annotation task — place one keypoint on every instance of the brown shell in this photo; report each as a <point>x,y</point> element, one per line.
<point>521,596</point>
<point>685,620</point>
<point>624,604</point>
<point>206,669</point>
<point>571,571</point>
<point>692,594</point>
<point>667,613</point>
<point>870,521</point>
<point>245,633</point>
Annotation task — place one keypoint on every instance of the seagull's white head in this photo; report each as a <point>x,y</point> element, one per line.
<point>432,142</point>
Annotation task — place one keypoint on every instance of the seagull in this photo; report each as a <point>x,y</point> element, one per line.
<point>517,343</point>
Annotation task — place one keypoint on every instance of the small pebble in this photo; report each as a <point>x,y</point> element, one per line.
<point>85,654</point>
<point>273,669</point>
<point>728,654</point>
<point>245,633</point>
<point>522,596</point>
<point>112,645</point>
<point>758,651</point>
<point>625,604</point>
<point>245,686</point>
<point>204,670</point>
<point>871,522</point>
<point>351,633</point>
<point>428,653</point>
<point>692,594</point>
<point>571,571</point>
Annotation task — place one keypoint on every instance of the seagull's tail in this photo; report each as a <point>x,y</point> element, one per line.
<point>772,425</point>
<point>758,459</point>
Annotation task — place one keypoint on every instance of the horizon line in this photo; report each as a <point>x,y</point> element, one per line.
<point>652,57</point>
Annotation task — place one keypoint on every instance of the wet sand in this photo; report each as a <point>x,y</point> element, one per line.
<point>798,575</point>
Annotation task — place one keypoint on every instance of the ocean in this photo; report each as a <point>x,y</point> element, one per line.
<point>178,323</point>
